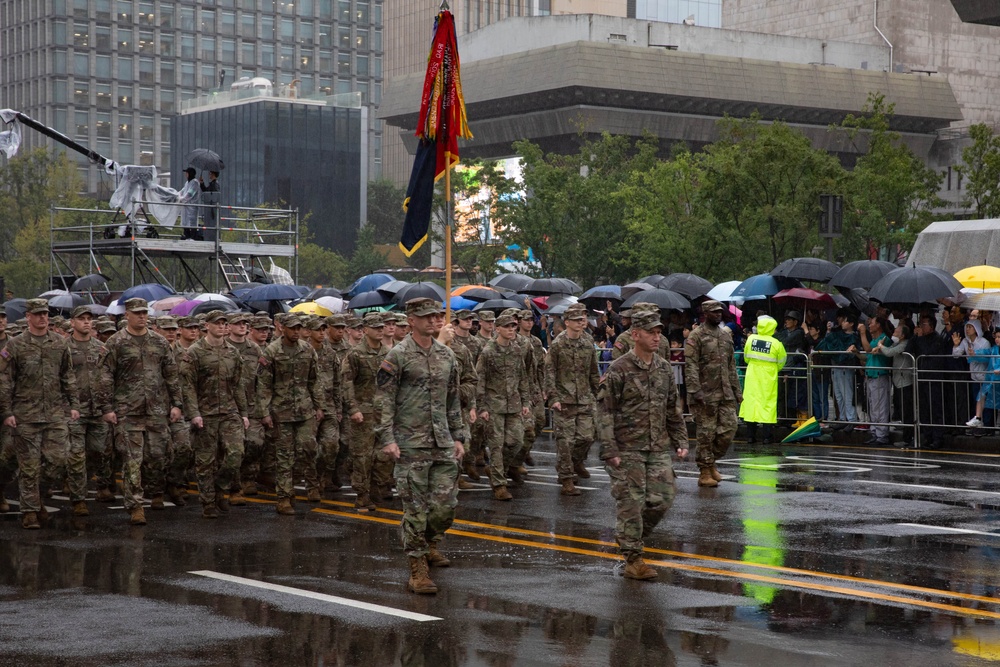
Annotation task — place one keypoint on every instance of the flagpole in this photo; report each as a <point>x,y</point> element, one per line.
<point>447,238</point>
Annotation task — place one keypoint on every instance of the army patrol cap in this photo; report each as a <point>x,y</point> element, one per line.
<point>353,322</point>
<point>336,320</point>
<point>422,307</point>
<point>136,305</point>
<point>643,306</point>
<point>710,306</point>
<point>66,326</point>
<point>316,324</point>
<point>291,321</point>
<point>464,314</point>
<point>80,311</point>
<point>238,318</point>
<point>525,315</point>
<point>187,322</point>
<point>576,312</point>
<point>280,318</point>
<point>215,316</point>
<point>106,327</point>
<point>487,316</point>
<point>506,318</point>
<point>121,325</point>
<point>647,320</point>
<point>167,322</point>
<point>36,306</point>
<point>57,321</point>
<point>261,322</point>
<point>373,320</point>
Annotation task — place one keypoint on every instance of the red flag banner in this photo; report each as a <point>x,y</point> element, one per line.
<point>442,121</point>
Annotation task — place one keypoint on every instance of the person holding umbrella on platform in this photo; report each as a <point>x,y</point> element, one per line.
<point>210,197</point>
<point>190,194</point>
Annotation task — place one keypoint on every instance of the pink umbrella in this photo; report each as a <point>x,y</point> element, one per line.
<point>808,297</point>
<point>184,308</point>
<point>164,305</point>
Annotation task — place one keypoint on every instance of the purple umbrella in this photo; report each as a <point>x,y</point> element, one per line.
<point>184,308</point>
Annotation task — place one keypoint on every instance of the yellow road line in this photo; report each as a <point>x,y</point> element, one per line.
<point>667,552</point>
<point>684,567</point>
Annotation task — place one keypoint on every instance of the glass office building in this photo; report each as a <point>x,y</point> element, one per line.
<point>299,154</point>
<point>111,73</point>
<point>706,13</point>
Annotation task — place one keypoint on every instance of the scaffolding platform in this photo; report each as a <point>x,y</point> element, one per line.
<point>247,241</point>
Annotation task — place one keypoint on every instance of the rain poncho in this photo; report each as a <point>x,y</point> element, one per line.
<point>975,352</point>
<point>765,356</point>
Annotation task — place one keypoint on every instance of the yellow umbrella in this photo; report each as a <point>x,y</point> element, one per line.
<point>311,308</point>
<point>980,277</point>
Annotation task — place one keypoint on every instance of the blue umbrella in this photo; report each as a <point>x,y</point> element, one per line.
<point>761,287</point>
<point>147,291</point>
<point>458,303</point>
<point>271,293</point>
<point>368,283</point>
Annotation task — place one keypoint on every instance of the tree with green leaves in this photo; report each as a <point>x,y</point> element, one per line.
<point>981,169</point>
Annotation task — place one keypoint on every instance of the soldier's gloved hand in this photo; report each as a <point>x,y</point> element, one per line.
<point>698,398</point>
<point>198,422</point>
<point>392,451</point>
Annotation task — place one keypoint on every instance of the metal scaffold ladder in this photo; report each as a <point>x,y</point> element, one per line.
<point>234,271</point>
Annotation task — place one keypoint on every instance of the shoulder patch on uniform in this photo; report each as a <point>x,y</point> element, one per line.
<point>5,354</point>
<point>386,373</point>
<point>387,366</point>
<point>263,361</point>
<point>619,345</point>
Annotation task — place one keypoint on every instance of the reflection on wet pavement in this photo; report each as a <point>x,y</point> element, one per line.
<point>806,556</point>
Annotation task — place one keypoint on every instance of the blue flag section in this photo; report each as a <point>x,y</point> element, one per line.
<point>419,198</point>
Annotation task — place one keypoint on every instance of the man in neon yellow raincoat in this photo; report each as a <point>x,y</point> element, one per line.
<point>765,356</point>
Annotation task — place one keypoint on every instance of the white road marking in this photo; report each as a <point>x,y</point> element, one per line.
<point>15,503</point>
<point>945,529</point>
<point>933,488</point>
<point>346,602</point>
<point>583,488</point>
<point>936,462</point>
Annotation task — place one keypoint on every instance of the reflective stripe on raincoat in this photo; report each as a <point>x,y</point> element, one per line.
<point>765,356</point>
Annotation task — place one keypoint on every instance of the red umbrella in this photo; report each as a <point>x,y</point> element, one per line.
<point>808,297</point>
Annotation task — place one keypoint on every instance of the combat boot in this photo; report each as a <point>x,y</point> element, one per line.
<point>501,493</point>
<point>285,507</point>
<point>222,502</point>
<point>363,503</point>
<point>568,488</point>
<point>237,499</point>
<point>464,485</point>
<point>515,476</point>
<point>80,508</point>
<point>249,489</point>
<point>4,505</point>
<point>470,469</point>
<point>210,512</point>
<point>43,513</point>
<point>156,502</point>
<point>581,470</point>
<point>420,581</point>
<point>435,558</point>
<point>636,568</point>
<point>716,475</point>
<point>528,460</point>
<point>176,495</point>
<point>30,521</point>
<point>314,496</point>
<point>706,479</point>
<point>105,496</point>
<point>137,517</point>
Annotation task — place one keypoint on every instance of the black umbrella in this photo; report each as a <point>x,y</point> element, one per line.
<point>806,268</point>
<point>271,293</point>
<point>88,282</point>
<point>419,291</point>
<point>859,299</point>
<point>209,306</point>
<point>498,305</point>
<point>545,286</point>
<point>370,299</point>
<point>65,300</point>
<point>687,284</point>
<point>512,281</point>
<point>664,299</point>
<point>597,297</point>
<point>557,301</point>
<point>322,291</point>
<point>392,286</point>
<point>633,288</point>
<point>481,294</point>
<point>15,309</point>
<point>915,285</point>
<point>204,159</point>
<point>863,274</point>
<point>651,280</point>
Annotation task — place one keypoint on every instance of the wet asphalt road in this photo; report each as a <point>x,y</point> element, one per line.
<point>805,555</point>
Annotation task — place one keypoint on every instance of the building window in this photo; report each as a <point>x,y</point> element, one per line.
<point>102,67</point>
<point>59,91</point>
<point>166,16</point>
<point>267,55</point>
<point>248,59</point>
<point>124,97</point>
<point>146,42</point>
<point>146,15</point>
<point>344,11</point>
<point>82,121</point>
<point>288,58</point>
<point>81,9</point>
<point>103,92</point>
<point>102,35</point>
<point>167,44</point>
<point>307,36</point>
<point>168,73</point>
<point>207,48</point>
<point>207,77</point>
<point>227,23</point>
<point>81,94</point>
<point>187,18</point>
<point>125,68</point>
<point>103,10</point>
<point>147,71</point>
<point>362,13</point>
<point>103,125</point>
<point>147,99</point>
<point>267,27</point>
<point>344,63</point>
<point>228,49</point>
<point>187,47</point>
<point>124,40</point>
<point>81,64</point>
<point>124,12</point>
<point>81,35</point>
<point>361,40</point>
<point>287,30</point>
<point>326,9</point>
<point>344,37</point>
<point>124,126</point>
<point>187,75</point>
<point>59,62</point>
<point>167,101</point>
<point>207,21</point>
<point>362,65</point>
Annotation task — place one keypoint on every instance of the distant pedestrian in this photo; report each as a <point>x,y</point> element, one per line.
<point>190,194</point>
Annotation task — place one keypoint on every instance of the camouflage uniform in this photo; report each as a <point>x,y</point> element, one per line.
<point>88,436</point>
<point>328,430</point>
<point>213,387</point>
<point>710,368</point>
<point>369,465</point>
<point>253,438</point>
<point>291,393</point>
<point>139,384</point>
<point>38,388</point>
<point>8,457</point>
<point>181,456</point>
<point>534,361</point>
<point>421,413</point>
<point>468,381</point>
<point>503,390</point>
<point>638,411</point>
<point>572,380</point>
<point>343,426</point>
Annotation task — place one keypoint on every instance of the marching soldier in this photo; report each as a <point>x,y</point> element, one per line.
<point>215,401</point>
<point>640,419</point>
<point>181,457</point>
<point>421,428</point>
<point>37,395</point>
<point>535,363</point>
<point>244,482</point>
<point>713,390</point>
<point>328,429</point>
<point>88,436</point>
